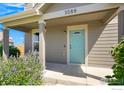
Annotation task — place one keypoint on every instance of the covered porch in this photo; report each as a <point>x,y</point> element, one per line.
<point>53,32</point>
<point>53,40</point>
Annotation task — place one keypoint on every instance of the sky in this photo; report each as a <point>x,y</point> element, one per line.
<point>8,9</point>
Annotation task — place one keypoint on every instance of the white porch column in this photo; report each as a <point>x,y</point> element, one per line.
<point>42,43</point>
<point>120,24</point>
<point>28,42</point>
<point>5,43</point>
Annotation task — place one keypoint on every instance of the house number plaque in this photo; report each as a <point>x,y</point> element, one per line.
<point>70,11</point>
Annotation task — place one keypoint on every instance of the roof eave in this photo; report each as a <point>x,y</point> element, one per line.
<point>24,14</point>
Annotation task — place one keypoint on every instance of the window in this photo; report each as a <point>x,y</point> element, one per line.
<point>36,42</point>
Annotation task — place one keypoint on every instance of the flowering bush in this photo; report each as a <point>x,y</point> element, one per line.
<point>26,70</point>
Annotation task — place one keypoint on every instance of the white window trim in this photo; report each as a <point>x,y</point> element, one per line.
<point>34,31</point>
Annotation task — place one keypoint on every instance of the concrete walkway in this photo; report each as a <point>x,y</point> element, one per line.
<point>64,74</point>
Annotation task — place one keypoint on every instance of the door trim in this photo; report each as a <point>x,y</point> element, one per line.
<point>74,27</point>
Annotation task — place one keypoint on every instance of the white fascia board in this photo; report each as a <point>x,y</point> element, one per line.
<point>20,15</point>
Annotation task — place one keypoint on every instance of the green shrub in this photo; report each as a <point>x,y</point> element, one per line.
<point>13,51</point>
<point>1,50</point>
<point>118,68</point>
<point>26,70</point>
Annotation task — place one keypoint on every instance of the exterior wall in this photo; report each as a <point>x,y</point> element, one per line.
<point>101,43</point>
<point>28,42</point>
<point>62,6</point>
<point>55,40</point>
<point>101,38</point>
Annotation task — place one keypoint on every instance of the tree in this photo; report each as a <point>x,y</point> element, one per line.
<point>13,51</point>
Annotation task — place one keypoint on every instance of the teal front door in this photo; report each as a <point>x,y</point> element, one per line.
<point>77,46</point>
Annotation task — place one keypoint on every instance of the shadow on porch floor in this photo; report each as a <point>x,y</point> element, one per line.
<point>70,70</point>
<point>75,75</point>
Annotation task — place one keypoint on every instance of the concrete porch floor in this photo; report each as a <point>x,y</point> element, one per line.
<point>63,74</point>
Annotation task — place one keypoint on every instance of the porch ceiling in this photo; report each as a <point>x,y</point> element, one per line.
<point>26,27</point>
<point>95,16</point>
<point>22,23</point>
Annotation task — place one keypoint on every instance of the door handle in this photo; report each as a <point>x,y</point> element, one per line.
<point>70,46</point>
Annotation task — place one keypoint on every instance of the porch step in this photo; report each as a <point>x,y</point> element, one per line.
<point>98,64</point>
<point>55,78</point>
<point>53,81</point>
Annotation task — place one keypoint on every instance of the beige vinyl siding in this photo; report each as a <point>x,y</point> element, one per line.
<point>100,53</point>
<point>55,40</point>
<point>28,42</point>
<point>101,38</point>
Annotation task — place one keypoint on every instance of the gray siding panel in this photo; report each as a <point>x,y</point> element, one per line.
<point>100,54</point>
